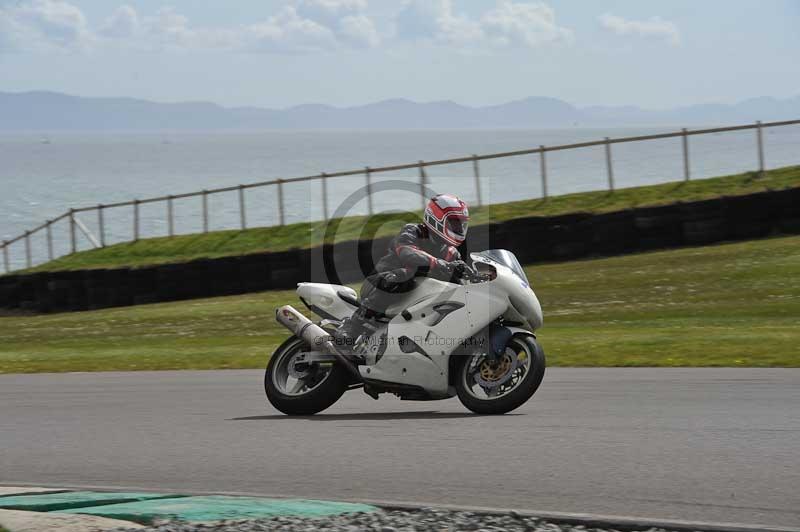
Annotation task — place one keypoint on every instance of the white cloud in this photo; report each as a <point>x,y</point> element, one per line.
<point>122,24</point>
<point>171,30</point>
<point>329,12</point>
<point>288,32</point>
<point>523,24</point>
<point>11,31</point>
<point>304,27</point>
<point>507,24</point>
<point>358,31</point>
<point>171,24</point>
<point>654,27</point>
<point>346,18</point>
<point>436,20</point>
<point>43,25</point>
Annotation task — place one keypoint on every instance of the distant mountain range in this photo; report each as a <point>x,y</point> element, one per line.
<point>48,111</point>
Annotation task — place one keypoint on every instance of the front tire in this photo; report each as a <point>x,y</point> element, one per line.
<point>322,387</point>
<point>517,395</point>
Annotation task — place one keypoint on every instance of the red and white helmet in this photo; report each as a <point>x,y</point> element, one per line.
<point>447,217</point>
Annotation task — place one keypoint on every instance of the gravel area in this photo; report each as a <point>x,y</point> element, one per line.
<point>426,520</point>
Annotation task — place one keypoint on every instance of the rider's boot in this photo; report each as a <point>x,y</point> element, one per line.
<point>353,327</point>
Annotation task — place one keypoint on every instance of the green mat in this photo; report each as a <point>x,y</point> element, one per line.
<point>219,508</point>
<point>75,499</point>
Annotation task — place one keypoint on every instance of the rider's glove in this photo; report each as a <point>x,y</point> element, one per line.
<point>455,269</point>
<point>449,270</point>
<point>458,267</point>
<point>441,266</point>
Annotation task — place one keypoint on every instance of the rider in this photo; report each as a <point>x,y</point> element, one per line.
<point>426,249</point>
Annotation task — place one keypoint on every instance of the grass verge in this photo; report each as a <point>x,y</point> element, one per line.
<point>725,305</point>
<point>224,243</point>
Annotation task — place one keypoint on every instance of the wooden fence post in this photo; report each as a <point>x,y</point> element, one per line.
<point>205,211</point>
<point>101,224</point>
<point>170,216</point>
<point>6,262</point>
<point>422,181</point>
<point>28,249</point>
<point>324,178</point>
<point>543,169</point>
<point>760,138</point>
<point>242,210</point>
<point>72,239</point>
<point>609,165</point>
<point>136,220</point>
<point>49,235</point>
<point>368,177</point>
<point>686,168</point>
<point>280,202</point>
<point>477,171</point>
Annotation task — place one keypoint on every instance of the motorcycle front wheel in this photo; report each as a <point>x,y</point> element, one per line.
<point>496,386</point>
<point>302,389</point>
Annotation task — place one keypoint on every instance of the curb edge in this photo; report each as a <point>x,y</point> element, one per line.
<point>623,523</point>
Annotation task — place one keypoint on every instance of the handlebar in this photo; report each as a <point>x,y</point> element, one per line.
<point>470,274</point>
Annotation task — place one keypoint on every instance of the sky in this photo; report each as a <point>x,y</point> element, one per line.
<point>656,53</point>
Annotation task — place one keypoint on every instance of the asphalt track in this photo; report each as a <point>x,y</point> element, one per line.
<point>691,444</point>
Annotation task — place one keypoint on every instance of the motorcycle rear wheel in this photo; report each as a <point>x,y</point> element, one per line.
<point>294,396</point>
<point>517,395</point>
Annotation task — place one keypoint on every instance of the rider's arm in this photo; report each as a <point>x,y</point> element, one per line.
<point>406,248</point>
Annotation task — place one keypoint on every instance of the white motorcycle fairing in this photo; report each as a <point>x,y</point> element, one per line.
<point>422,337</point>
<point>328,301</point>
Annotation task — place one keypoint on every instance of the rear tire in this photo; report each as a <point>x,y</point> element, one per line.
<point>311,402</point>
<point>516,397</point>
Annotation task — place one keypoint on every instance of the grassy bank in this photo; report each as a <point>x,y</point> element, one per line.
<point>725,305</point>
<point>223,243</point>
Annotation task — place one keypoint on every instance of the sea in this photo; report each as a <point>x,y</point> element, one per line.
<point>44,175</point>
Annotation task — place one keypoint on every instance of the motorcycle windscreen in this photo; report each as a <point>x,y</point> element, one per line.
<point>506,258</point>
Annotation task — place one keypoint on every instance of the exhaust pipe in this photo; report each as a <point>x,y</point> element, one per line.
<point>312,334</point>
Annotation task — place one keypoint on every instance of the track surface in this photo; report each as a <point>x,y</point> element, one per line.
<point>694,444</point>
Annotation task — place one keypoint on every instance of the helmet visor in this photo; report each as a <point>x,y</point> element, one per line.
<point>457,226</point>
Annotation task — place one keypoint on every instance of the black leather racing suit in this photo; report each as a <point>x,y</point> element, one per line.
<point>412,253</point>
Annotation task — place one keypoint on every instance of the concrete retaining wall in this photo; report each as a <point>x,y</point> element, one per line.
<point>533,239</point>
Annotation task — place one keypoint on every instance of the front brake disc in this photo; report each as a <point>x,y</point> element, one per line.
<point>492,377</point>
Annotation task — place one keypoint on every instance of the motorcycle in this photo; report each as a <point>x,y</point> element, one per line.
<point>474,339</point>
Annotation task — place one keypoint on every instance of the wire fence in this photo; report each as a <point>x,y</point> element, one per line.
<point>76,227</point>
